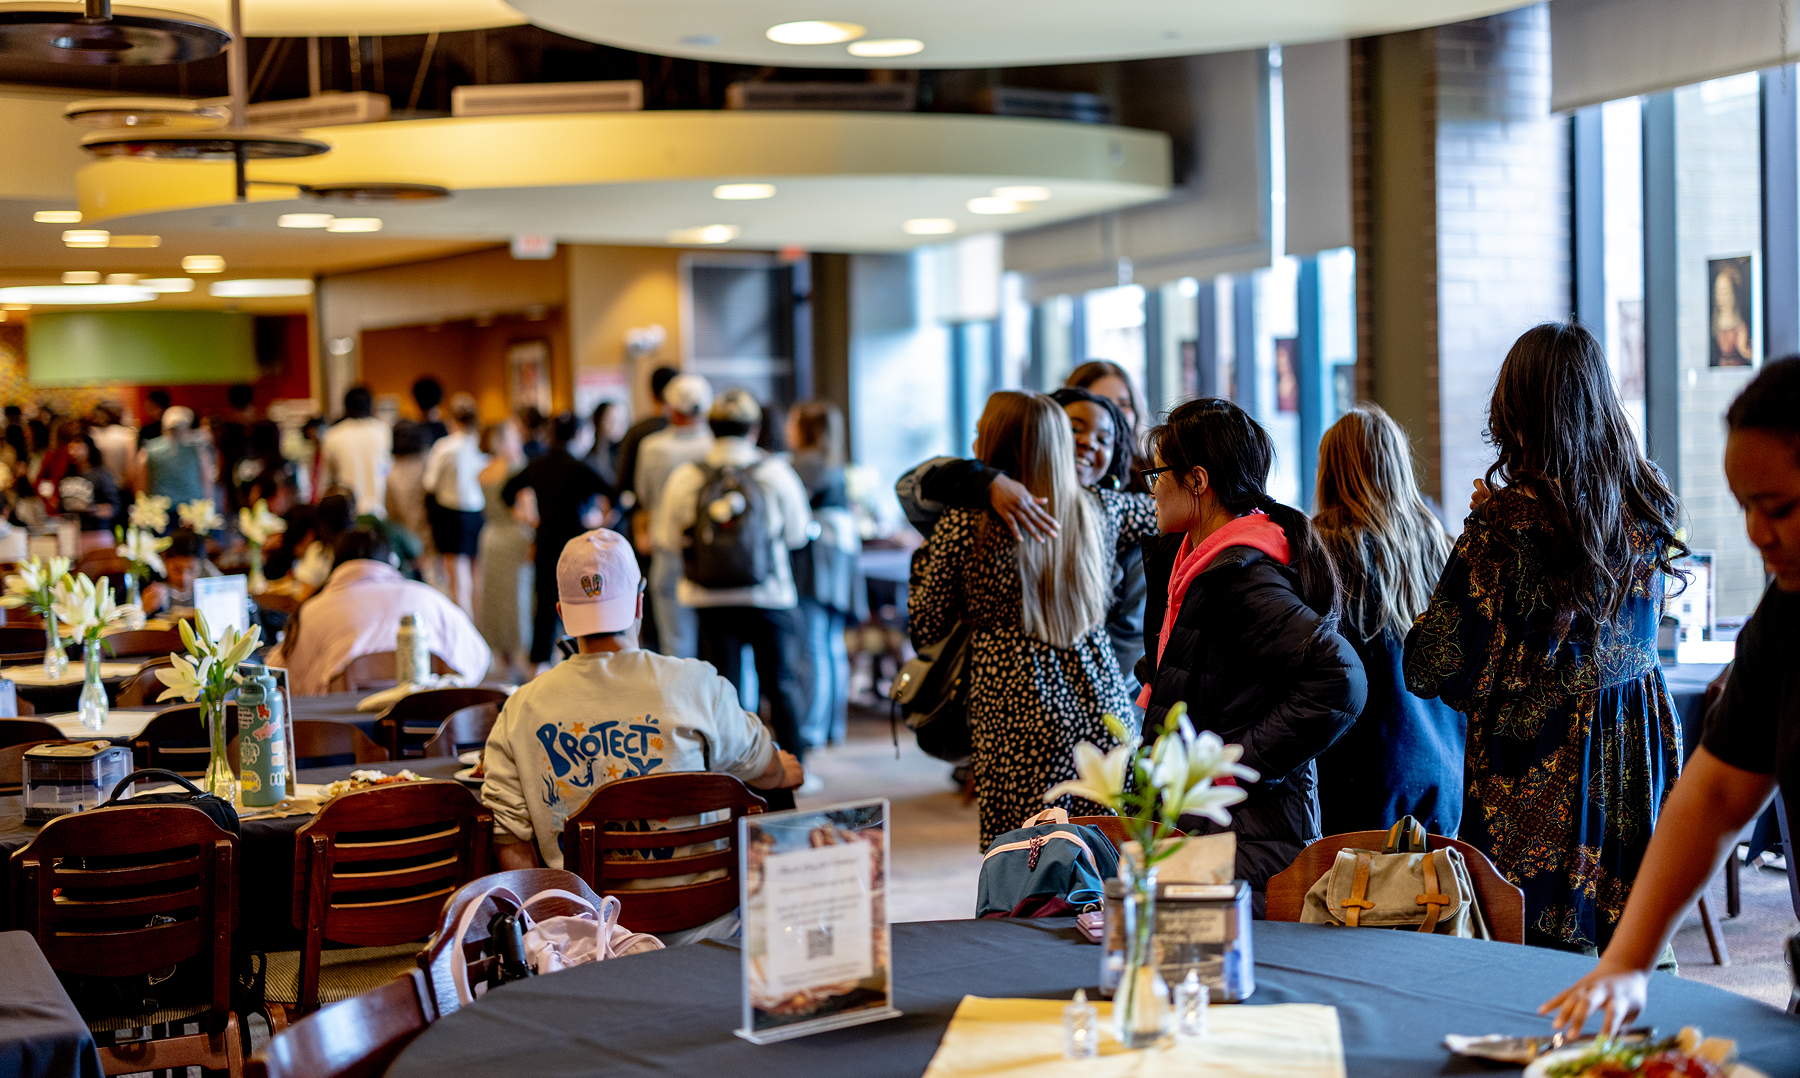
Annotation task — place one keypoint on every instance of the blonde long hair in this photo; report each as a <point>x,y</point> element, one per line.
<point>1388,546</point>
<point>1062,582</point>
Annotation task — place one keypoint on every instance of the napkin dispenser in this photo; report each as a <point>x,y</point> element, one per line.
<point>70,777</point>
<point>1203,927</point>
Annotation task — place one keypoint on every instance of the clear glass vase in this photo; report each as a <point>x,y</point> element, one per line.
<point>258,584</point>
<point>220,778</point>
<point>1141,1014</point>
<point>133,602</point>
<point>92,707</point>
<point>56,660</point>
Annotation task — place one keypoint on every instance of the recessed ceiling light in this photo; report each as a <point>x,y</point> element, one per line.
<point>1022,192</point>
<point>262,287</point>
<point>305,220</point>
<point>203,264</point>
<point>886,47</point>
<point>992,205</point>
<point>121,278</point>
<point>744,192</point>
<point>167,284</point>
<point>929,226</point>
<point>15,307</point>
<point>814,32</point>
<point>81,277</point>
<point>354,224</point>
<point>134,242</point>
<point>62,294</point>
<point>57,217</point>
<point>705,234</point>
<point>86,237</point>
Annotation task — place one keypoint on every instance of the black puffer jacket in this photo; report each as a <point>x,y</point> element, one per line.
<point>1261,669</point>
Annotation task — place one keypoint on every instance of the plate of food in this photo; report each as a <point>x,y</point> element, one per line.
<point>366,780</point>
<point>1688,1054</point>
<point>471,776</point>
<point>470,758</point>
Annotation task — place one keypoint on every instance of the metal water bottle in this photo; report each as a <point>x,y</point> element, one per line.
<point>411,664</point>
<point>262,738</point>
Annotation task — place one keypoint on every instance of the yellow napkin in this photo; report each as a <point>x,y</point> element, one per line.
<point>990,1037</point>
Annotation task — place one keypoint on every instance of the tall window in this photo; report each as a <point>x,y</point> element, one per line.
<point>1115,329</point>
<point>1276,400</point>
<point>1622,180</point>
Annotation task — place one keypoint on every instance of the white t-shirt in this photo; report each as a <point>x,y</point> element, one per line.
<point>789,518</point>
<point>358,454</point>
<point>453,472</point>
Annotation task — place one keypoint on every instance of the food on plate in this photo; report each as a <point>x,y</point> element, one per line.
<point>480,771</point>
<point>1688,1054</point>
<point>367,780</point>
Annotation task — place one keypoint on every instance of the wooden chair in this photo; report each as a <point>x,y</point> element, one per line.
<point>22,639</point>
<point>376,670</point>
<point>144,687</point>
<point>353,1038</point>
<point>1114,829</point>
<point>605,843</point>
<point>131,890</point>
<point>20,731</point>
<point>1502,904</point>
<point>176,739</point>
<point>144,643</point>
<point>12,764</point>
<point>440,959</point>
<point>371,871</point>
<point>439,722</point>
<point>318,743</point>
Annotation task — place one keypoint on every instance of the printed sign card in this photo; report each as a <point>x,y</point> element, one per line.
<point>813,892</point>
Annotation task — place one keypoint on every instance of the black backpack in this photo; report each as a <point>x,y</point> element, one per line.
<point>734,552</point>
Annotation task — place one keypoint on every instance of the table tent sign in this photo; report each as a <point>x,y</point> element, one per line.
<point>813,891</point>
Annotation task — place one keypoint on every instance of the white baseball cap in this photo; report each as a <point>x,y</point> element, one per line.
<point>598,584</point>
<point>688,394</point>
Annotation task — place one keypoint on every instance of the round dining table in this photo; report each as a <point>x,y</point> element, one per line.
<point>1397,994</point>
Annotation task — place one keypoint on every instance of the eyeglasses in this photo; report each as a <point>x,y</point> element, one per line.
<point>1147,476</point>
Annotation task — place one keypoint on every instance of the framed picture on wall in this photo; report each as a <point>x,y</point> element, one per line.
<point>528,366</point>
<point>1731,303</point>
<point>1287,374</point>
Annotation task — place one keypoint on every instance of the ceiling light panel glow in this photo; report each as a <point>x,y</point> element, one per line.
<point>81,277</point>
<point>1022,192</point>
<point>929,226</point>
<point>992,206</point>
<point>203,264</point>
<point>814,32</point>
<point>743,192</point>
<point>305,220</point>
<point>705,234</point>
<point>167,284</point>
<point>886,48</point>
<point>354,224</point>
<point>262,288</point>
<point>86,237</point>
<point>69,294</point>
<point>57,217</point>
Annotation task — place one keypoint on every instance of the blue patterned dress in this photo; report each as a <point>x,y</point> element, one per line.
<point>1573,740</point>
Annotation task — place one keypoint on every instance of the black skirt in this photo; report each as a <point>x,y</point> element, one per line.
<point>453,531</point>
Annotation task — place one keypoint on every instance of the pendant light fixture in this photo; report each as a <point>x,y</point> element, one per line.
<point>94,33</point>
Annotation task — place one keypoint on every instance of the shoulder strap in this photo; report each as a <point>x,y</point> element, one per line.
<point>1359,890</point>
<point>1434,900</point>
<point>459,969</point>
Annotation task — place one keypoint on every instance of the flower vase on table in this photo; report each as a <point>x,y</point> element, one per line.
<point>220,779</point>
<point>92,707</point>
<point>87,608</point>
<point>141,548</point>
<point>1150,787</point>
<point>34,588</point>
<point>56,657</point>
<point>259,526</point>
<point>206,674</point>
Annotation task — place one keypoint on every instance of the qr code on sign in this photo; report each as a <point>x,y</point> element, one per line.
<point>818,943</point>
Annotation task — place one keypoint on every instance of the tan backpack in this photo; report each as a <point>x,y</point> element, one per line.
<point>1405,885</point>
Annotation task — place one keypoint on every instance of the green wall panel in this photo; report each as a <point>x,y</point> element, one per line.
<point>64,348</point>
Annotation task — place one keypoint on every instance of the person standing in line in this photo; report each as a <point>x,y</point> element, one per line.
<point>1241,626</point>
<point>407,499</point>
<point>1752,742</point>
<point>562,488</point>
<point>826,577</point>
<point>632,442</point>
<point>428,396</point>
<point>358,453</point>
<point>1404,756</point>
<point>172,464</point>
<point>453,483</point>
<point>1041,667</point>
<point>1542,630</point>
<point>609,426</point>
<point>686,439</point>
<point>231,439</point>
<point>503,599</point>
<point>758,499</point>
<point>156,402</point>
<point>116,442</point>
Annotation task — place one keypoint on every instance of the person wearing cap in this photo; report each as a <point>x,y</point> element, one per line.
<point>612,711</point>
<point>172,464</point>
<point>564,488</point>
<point>687,438</point>
<point>765,616</point>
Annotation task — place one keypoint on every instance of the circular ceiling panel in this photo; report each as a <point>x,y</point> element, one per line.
<point>335,18</point>
<point>956,33</point>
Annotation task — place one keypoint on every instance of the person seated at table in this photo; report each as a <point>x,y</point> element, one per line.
<point>183,563</point>
<point>358,613</point>
<point>614,711</point>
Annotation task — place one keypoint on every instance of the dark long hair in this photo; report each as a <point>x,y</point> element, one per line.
<point>1562,435</point>
<point>1236,452</point>
<point>1119,470</point>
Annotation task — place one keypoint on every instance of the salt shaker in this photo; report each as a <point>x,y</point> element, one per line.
<point>1081,1028</point>
<point>1191,999</point>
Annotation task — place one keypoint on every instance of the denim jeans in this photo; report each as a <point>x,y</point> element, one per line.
<point>677,633</point>
<point>825,672</point>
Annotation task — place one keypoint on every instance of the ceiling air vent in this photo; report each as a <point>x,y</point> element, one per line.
<point>1047,104</point>
<point>325,110</point>
<point>823,96</point>
<point>530,98</point>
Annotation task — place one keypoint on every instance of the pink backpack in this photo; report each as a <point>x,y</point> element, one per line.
<point>555,943</point>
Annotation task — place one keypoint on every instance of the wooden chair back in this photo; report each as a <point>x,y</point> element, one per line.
<point>318,743</point>
<point>606,843</point>
<point>22,639</point>
<point>376,670</point>
<point>1114,829</point>
<point>373,868</point>
<point>144,687</point>
<point>440,959</point>
<point>145,643</point>
<point>103,561</point>
<point>353,1038</point>
<point>19,731</point>
<point>447,720</point>
<point>176,739</point>
<point>12,764</point>
<point>1502,904</point>
<point>129,890</point>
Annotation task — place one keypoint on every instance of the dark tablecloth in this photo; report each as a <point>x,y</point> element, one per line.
<point>1687,686</point>
<point>41,1032</point>
<point>1397,994</point>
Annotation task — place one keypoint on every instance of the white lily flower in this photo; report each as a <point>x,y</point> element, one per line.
<point>84,607</point>
<point>1209,756</point>
<point>150,511</point>
<point>1101,777</point>
<point>236,646</point>
<point>259,525</point>
<point>200,515</point>
<point>143,548</point>
<point>1207,800</point>
<point>185,677</point>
